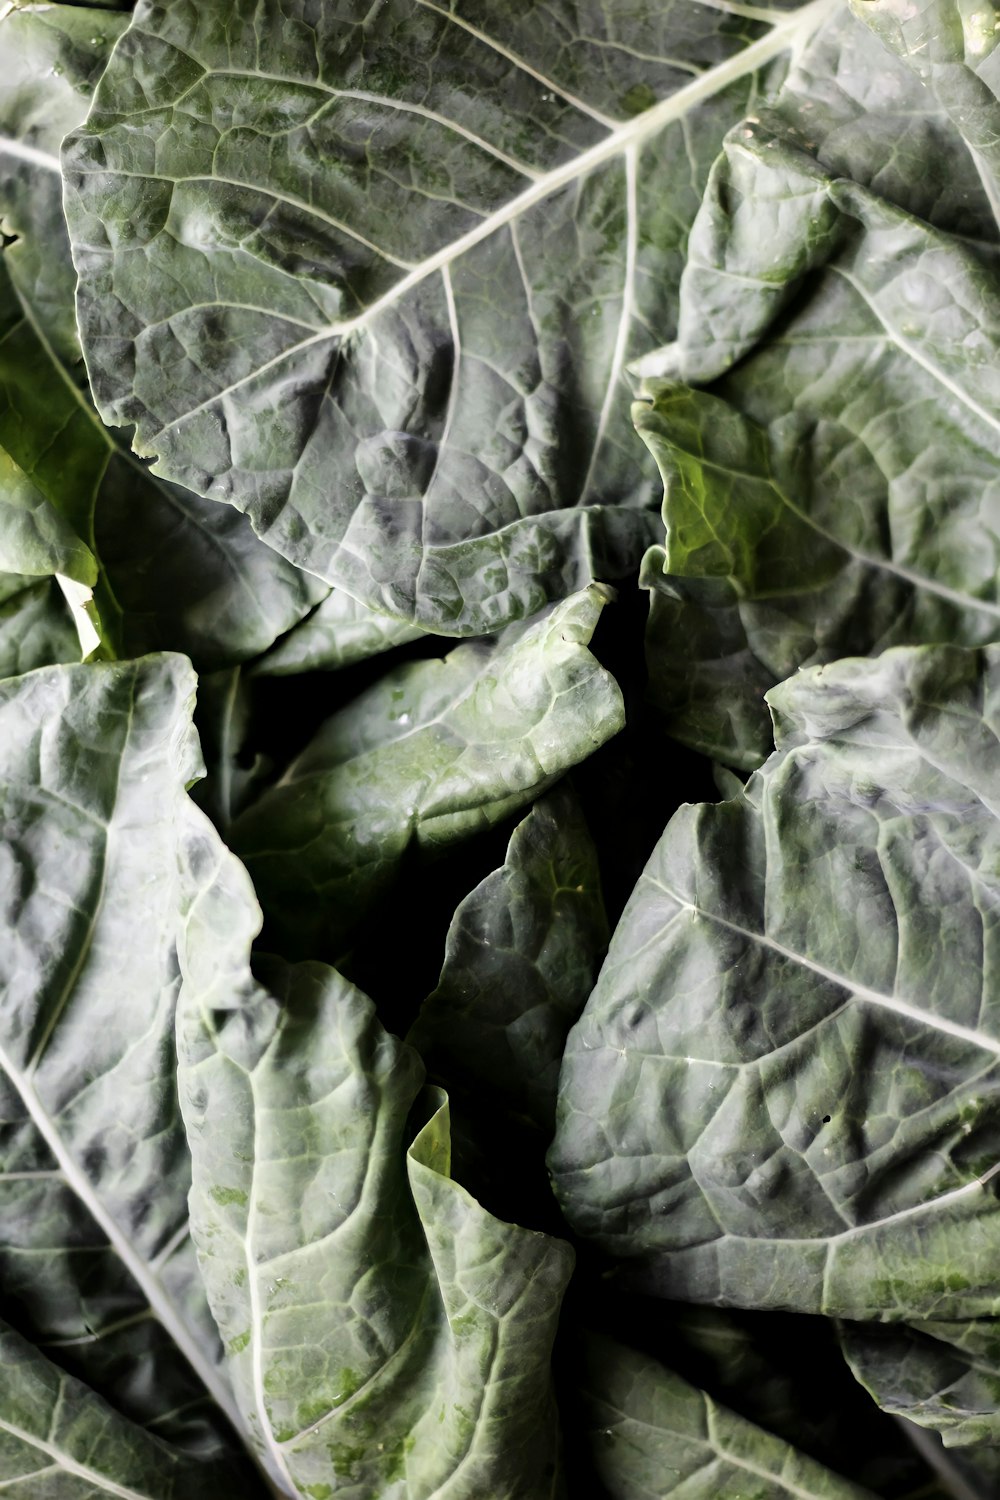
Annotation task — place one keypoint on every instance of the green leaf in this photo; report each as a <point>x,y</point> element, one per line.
<point>433,752</point>
<point>96,1263</point>
<point>35,626</point>
<point>945,1376</point>
<point>519,964</point>
<point>386,1336</point>
<point>373,276</point>
<point>58,1438</point>
<point>34,538</point>
<point>651,1434</point>
<point>782,1092</point>
<point>835,492</point>
<point>191,576</point>
<point>338,633</point>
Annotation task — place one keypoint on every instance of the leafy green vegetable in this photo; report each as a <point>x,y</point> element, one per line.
<point>519,964</point>
<point>96,1262</point>
<point>338,633</point>
<point>838,484</point>
<point>191,576</point>
<point>385,1334</point>
<point>432,752</point>
<point>59,1438</point>
<point>405,369</point>
<point>782,1091</point>
<point>652,1434</point>
<point>366,291</point>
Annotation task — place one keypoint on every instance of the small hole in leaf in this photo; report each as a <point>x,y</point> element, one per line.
<point>826,1119</point>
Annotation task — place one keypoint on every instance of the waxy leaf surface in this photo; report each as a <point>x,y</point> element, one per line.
<point>651,1434</point>
<point>834,493</point>
<point>372,276</point>
<point>785,1089</point>
<point>433,752</point>
<point>388,1338</point>
<point>96,1262</point>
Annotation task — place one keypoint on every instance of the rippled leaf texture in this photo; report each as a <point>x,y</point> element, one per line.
<point>652,1434</point>
<point>433,752</point>
<point>338,633</point>
<point>386,1336</point>
<point>519,964</point>
<point>837,486</point>
<point>177,571</point>
<point>784,1090</point>
<point>95,1261</point>
<point>372,276</point>
<point>59,1439</point>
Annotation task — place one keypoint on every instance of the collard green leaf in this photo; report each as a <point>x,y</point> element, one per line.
<point>386,1336</point>
<point>59,1439</point>
<point>338,633</point>
<point>35,540</point>
<point>835,492</point>
<point>519,964</point>
<point>372,276</point>
<point>784,1091</point>
<point>36,629</point>
<point>945,1376</point>
<point>188,575</point>
<point>651,1434</point>
<point>95,1262</point>
<point>433,752</point>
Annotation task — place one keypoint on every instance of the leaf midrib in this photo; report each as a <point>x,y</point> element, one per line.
<point>854,987</point>
<point>70,1465</point>
<point>795,28</point>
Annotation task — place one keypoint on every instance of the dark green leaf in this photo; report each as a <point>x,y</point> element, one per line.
<point>95,1263</point>
<point>372,276</point>
<point>520,962</point>
<point>435,751</point>
<point>386,1336</point>
<point>188,575</point>
<point>836,491</point>
<point>785,1089</point>
<point>60,1441</point>
<point>652,1435</point>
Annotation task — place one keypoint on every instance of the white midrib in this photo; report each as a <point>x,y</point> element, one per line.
<point>151,1286</point>
<point>30,154</point>
<point>859,991</point>
<point>69,1465</point>
<point>800,23</point>
<point>740,1461</point>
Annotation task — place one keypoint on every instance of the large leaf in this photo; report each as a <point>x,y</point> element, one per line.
<point>433,752</point>
<point>785,1089</point>
<point>651,1434</point>
<point>188,575</point>
<point>386,1336</point>
<point>59,1439</point>
<point>519,964</point>
<point>95,1262</point>
<point>836,491</point>
<point>372,276</point>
